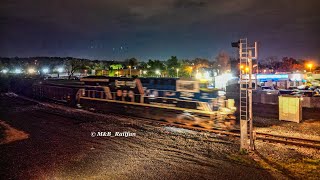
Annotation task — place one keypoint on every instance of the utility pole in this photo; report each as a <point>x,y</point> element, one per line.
<point>246,57</point>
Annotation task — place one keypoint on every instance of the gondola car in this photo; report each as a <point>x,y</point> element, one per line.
<point>176,104</point>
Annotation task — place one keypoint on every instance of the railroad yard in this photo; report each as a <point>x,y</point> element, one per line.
<point>50,141</point>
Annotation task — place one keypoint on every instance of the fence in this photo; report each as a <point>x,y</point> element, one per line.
<point>264,97</point>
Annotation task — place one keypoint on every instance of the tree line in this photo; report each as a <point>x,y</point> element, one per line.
<point>169,68</point>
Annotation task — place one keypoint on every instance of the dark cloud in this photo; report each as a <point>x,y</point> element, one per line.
<point>187,28</point>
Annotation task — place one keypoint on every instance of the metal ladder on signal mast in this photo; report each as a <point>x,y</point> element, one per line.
<point>244,83</point>
<point>247,55</point>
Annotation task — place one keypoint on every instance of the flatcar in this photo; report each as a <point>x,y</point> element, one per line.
<point>180,104</point>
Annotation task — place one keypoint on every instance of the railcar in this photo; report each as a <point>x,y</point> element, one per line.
<point>65,94</point>
<point>181,104</point>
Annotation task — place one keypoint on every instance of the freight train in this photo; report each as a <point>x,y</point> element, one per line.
<point>167,99</point>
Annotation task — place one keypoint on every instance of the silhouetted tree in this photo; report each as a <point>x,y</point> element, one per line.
<point>223,62</point>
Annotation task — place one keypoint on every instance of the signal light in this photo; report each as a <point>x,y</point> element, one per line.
<point>235,44</point>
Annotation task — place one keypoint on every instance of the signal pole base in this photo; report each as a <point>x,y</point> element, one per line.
<point>244,135</point>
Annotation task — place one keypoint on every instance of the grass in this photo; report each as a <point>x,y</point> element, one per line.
<point>305,168</point>
<point>243,159</point>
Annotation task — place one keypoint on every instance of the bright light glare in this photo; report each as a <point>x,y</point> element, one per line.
<point>221,81</point>
<point>4,71</point>
<point>45,70</point>
<point>296,77</point>
<point>31,71</point>
<point>158,71</point>
<point>17,71</point>
<point>144,72</point>
<point>198,75</point>
<point>207,75</point>
<point>60,70</point>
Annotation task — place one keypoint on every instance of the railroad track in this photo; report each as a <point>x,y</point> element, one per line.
<point>236,133</point>
<point>288,140</point>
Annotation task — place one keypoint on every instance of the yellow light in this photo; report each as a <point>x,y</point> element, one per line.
<point>247,69</point>
<point>241,67</point>
<point>31,70</point>
<point>310,66</point>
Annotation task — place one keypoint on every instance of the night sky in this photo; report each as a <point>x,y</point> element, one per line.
<point>157,29</point>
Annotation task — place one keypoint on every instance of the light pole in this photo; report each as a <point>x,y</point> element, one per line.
<point>60,70</point>
<point>130,70</point>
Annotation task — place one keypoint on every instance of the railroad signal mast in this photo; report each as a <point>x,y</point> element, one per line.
<point>248,56</point>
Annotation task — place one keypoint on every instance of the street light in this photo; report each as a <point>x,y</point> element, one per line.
<point>31,71</point>
<point>60,70</point>
<point>158,72</point>
<point>17,71</point>
<point>130,70</point>
<point>191,68</point>
<point>178,72</point>
<point>4,71</point>
<point>45,70</point>
<point>310,66</point>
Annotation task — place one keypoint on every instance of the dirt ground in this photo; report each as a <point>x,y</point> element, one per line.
<point>266,119</point>
<point>59,145</point>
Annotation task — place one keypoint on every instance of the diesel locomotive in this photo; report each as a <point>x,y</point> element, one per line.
<point>167,99</point>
